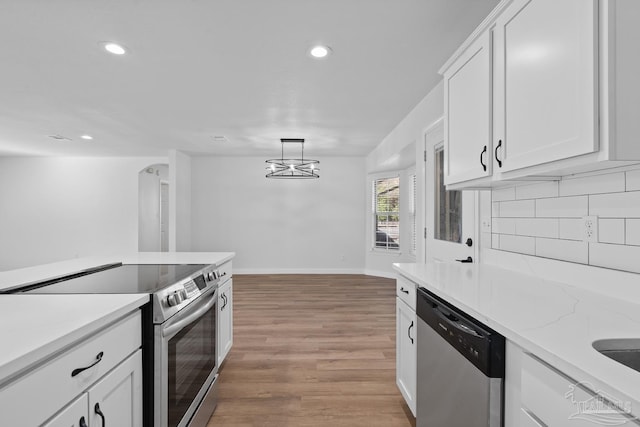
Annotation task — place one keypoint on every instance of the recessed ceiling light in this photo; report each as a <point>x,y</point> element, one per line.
<point>320,51</point>
<point>59,137</point>
<point>114,48</point>
<point>87,137</point>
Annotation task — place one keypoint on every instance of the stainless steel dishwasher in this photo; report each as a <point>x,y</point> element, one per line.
<point>460,367</point>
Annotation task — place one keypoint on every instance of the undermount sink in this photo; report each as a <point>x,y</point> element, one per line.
<point>622,350</point>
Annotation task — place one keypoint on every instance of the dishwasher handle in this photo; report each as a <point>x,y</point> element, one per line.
<point>450,319</point>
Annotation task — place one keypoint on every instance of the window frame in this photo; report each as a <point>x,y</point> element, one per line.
<point>375,213</point>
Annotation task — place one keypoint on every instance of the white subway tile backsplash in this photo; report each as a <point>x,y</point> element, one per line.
<point>619,257</point>
<point>611,230</point>
<point>495,209</point>
<point>570,228</point>
<point>563,207</point>
<point>545,219</point>
<point>502,194</point>
<point>503,226</point>
<point>495,241</point>
<point>537,191</point>
<point>607,183</point>
<point>537,227</point>
<point>564,250</point>
<point>633,180</point>
<point>517,209</point>
<point>616,205</point>
<point>520,244</point>
<point>632,231</point>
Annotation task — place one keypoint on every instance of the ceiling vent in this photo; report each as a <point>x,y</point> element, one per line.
<point>220,138</point>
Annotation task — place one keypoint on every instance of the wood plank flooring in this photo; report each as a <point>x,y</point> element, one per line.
<point>312,350</point>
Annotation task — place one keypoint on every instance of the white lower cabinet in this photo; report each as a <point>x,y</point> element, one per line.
<point>406,345</point>
<point>225,320</point>
<point>103,369</point>
<point>116,400</point>
<point>538,395</point>
<point>74,415</point>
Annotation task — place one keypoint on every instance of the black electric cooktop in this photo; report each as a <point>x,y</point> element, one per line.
<point>120,279</point>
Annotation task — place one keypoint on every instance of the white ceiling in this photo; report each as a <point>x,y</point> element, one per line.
<point>238,68</point>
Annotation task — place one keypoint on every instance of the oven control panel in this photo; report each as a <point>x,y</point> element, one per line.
<point>174,298</point>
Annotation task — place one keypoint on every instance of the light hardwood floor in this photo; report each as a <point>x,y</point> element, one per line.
<point>312,350</point>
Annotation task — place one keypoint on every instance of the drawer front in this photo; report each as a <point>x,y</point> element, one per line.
<point>528,420</point>
<point>406,291</point>
<point>50,386</point>
<point>556,400</point>
<point>225,271</point>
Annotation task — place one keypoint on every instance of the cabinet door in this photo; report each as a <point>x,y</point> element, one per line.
<point>116,400</point>
<point>406,345</point>
<point>74,415</point>
<point>225,320</point>
<point>467,104</point>
<point>545,77</point>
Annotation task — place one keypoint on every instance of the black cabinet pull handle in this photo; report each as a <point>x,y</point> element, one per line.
<point>496,153</point>
<point>484,166</point>
<point>99,412</point>
<point>82,422</point>
<point>469,242</point>
<point>78,370</point>
<point>464,261</point>
<point>404,291</point>
<point>409,331</point>
<point>224,302</point>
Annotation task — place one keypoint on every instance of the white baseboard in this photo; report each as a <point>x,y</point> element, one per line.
<point>298,271</point>
<point>379,273</point>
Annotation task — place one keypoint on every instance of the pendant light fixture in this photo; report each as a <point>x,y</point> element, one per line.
<point>292,168</point>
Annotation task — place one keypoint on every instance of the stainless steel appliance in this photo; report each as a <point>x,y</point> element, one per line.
<point>179,333</point>
<point>460,367</point>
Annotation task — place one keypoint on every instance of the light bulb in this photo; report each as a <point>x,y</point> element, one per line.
<point>273,167</point>
<point>319,51</point>
<point>115,48</point>
<point>292,167</point>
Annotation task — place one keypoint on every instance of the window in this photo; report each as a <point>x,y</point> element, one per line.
<point>386,212</point>
<point>448,206</point>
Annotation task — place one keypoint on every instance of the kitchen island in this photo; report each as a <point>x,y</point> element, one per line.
<point>547,325</point>
<point>73,351</point>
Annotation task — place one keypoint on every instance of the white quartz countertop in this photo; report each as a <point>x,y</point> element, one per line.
<point>23,276</point>
<point>556,322</point>
<point>33,327</point>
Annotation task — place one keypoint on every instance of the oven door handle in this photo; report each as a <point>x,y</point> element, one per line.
<point>174,327</point>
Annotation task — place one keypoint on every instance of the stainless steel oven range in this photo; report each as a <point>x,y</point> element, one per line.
<point>179,333</point>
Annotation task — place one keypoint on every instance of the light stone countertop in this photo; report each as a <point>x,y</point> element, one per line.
<point>556,322</point>
<point>23,276</point>
<point>34,327</point>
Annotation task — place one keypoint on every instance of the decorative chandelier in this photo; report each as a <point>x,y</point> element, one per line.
<point>292,168</point>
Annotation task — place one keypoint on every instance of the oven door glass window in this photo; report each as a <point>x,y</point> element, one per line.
<point>191,359</point>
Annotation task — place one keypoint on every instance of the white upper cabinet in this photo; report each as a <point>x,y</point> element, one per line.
<point>467,85</point>
<point>557,80</point>
<point>545,82</point>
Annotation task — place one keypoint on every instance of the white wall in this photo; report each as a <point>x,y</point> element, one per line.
<point>280,225</point>
<point>389,155</point>
<point>57,208</point>
<point>179,201</point>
